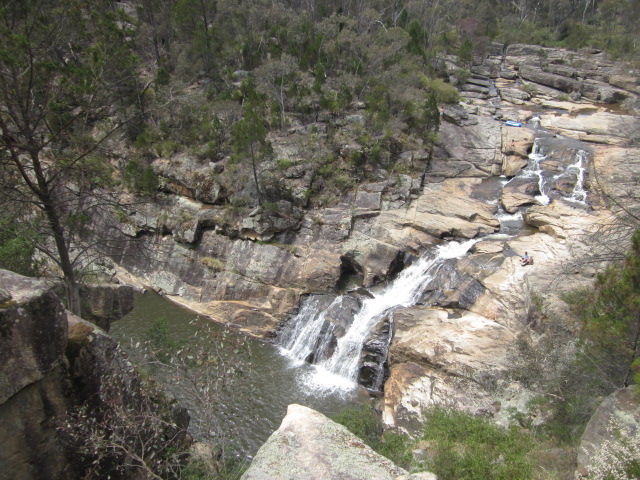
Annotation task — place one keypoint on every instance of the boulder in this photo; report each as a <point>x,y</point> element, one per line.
<point>558,82</point>
<point>309,446</point>
<point>512,165</point>
<point>412,388</point>
<point>520,192</point>
<point>603,92</point>
<point>438,359</point>
<point>34,332</point>
<point>618,416</point>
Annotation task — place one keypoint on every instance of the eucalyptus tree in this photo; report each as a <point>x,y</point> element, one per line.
<point>66,76</point>
<point>250,140</point>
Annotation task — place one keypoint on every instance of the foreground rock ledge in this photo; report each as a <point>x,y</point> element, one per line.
<point>309,446</point>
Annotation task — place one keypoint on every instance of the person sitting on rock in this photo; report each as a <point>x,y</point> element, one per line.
<point>526,259</point>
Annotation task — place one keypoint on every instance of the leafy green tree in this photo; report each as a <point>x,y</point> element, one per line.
<point>611,316</point>
<point>274,78</point>
<point>65,68</point>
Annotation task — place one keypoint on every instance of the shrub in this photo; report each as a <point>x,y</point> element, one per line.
<point>444,92</point>
<point>212,264</point>
<point>365,423</point>
<point>464,446</point>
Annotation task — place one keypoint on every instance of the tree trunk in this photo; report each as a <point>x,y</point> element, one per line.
<point>255,175</point>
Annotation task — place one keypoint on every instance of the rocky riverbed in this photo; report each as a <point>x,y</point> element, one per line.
<point>252,271</point>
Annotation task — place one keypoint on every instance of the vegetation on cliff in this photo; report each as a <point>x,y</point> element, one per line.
<point>92,93</point>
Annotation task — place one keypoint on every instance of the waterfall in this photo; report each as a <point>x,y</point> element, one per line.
<point>340,368</point>
<point>534,169</point>
<point>579,194</point>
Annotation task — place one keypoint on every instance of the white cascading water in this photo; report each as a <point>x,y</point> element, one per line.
<point>300,341</point>
<point>340,370</point>
<point>579,194</point>
<point>534,170</point>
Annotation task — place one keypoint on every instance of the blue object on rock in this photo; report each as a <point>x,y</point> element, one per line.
<point>511,123</point>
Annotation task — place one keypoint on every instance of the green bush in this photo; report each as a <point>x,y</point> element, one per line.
<point>466,447</point>
<point>16,248</point>
<point>365,423</point>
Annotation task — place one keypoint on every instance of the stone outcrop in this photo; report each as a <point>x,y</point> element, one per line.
<point>33,324</point>
<point>34,333</point>
<point>442,359</point>
<point>309,446</point>
<point>50,363</point>
<point>252,270</point>
<point>618,416</point>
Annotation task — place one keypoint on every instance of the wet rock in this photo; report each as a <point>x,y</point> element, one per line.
<point>374,355</point>
<point>309,446</point>
<point>565,183</point>
<point>519,192</point>
<point>451,288</point>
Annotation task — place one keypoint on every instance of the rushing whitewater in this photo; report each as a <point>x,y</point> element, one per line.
<point>309,333</point>
<point>579,194</point>
<point>534,169</point>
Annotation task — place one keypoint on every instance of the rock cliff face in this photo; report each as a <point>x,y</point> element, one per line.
<point>50,363</point>
<point>452,350</point>
<point>33,327</point>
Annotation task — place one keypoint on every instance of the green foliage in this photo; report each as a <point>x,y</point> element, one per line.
<point>365,423</point>
<point>249,136</point>
<point>362,422</point>
<point>465,447</point>
<point>140,179</point>
<point>213,264</point>
<point>16,248</point>
<point>611,319</point>
<point>444,92</point>
<point>465,52</point>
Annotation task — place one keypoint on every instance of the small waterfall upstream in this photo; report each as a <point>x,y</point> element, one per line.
<point>311,334</point>
<point>579,194</point>
<point>535,170</point>
<point>572,174</point>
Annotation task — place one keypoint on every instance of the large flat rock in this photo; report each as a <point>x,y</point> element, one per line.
<point>309,446</point>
